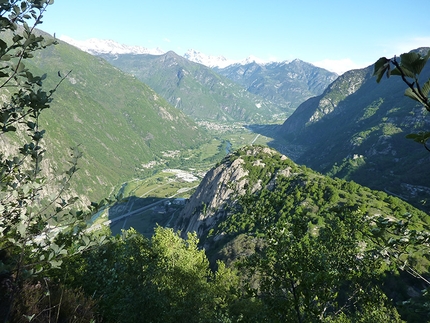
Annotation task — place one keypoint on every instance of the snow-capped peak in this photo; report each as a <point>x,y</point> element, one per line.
<point>207,60</point>
<point>219,61</point>
<point>96,46</point>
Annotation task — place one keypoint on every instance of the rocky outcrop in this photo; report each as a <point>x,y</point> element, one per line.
<point>214,197</point>
<point>218,193</point>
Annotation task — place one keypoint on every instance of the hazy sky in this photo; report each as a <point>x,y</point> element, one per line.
<point>335,34</point>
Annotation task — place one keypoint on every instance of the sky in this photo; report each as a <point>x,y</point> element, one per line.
<point>338,35</point>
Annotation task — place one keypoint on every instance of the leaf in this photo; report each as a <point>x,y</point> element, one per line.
<point>16,10</point>
<point>407,59</point>
<point>23,6</point>
<point>405,71</point>
<point>56,263</point>
<point>31,125</point>
<point>86,240</point>
<point>26,189</point>
<point>20,68</point>
<point>3,45</point>
<point>21,227</point>
<point>55,248</point>
<point>10,128</point>
<point>382,65</point>
<point>411,94</point>
<point>16,38</point>
<point>421,137</point>
<point>425,89</point>
<point>413,62</point>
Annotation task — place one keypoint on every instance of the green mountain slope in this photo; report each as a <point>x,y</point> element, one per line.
<point>118,122</point>
<point>356,130</point>
<point>196,89</point>
<point>285,84</point>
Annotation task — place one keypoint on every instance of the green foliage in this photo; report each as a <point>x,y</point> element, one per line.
<point>165,279</point>
<point>276,188</point>
<point>317,275</point>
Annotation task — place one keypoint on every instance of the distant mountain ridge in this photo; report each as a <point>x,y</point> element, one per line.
<point>207,60</point>
<point>286,84</point>
<point>219,61</point>
<point>215,88</point>
<point>97,46</point>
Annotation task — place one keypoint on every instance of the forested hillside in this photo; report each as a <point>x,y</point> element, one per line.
<point>357,130</point>
<point>286,225</point>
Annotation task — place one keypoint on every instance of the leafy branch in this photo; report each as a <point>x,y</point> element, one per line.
<point>409,69</point>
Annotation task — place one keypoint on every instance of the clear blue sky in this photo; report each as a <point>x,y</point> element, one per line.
<point>325,32</point>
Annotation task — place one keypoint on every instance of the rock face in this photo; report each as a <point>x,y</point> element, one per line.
<point>218,193</point>
<point>214,197</point>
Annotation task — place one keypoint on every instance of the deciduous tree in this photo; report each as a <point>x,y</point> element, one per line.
<point>37,229</point>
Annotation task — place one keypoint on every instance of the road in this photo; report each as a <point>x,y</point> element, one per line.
<point>256,137</point>
<point>139,210</point>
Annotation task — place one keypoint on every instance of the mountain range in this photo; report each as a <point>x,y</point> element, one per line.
<point>120,123</point>
<point>285,84</point>
<point>216,89</point>
<point>197,90</point>
<point>105,46</point>
<point>101,46</point>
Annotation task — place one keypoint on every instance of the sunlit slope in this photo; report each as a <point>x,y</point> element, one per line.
<point>118,122</point>
<point>196,89</point>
